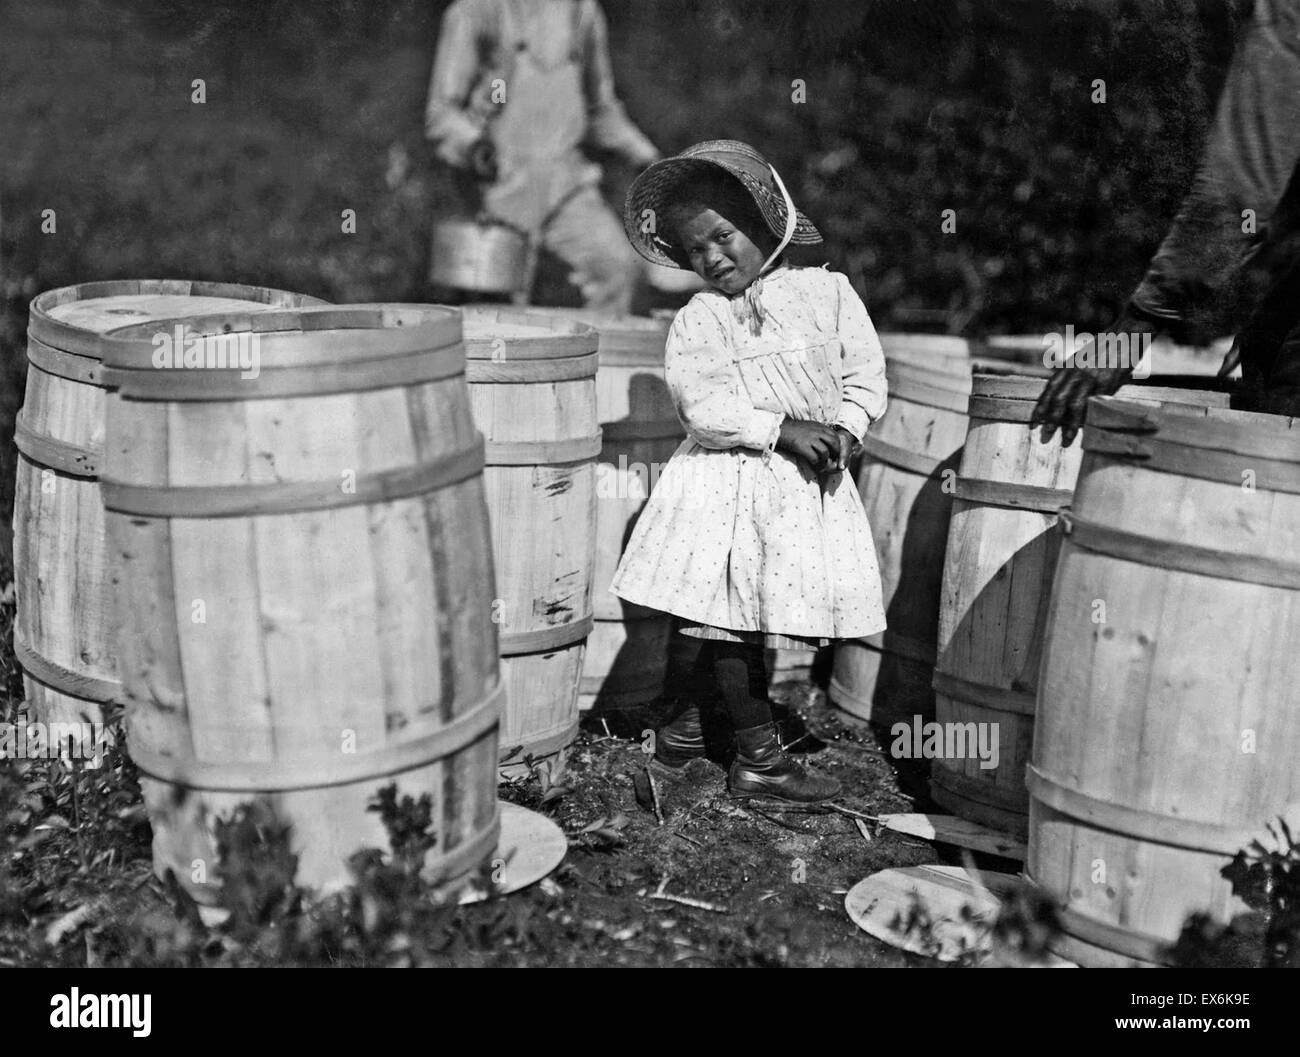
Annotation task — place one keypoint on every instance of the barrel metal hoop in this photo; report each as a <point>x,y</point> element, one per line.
<point>87,370</point>
<point>544,640</point>
<point>994,698</point>
<point>525,372</point>
<point>1135,822</point>
<point>1180,557</point>
<point>655,429</point>
<point>632,358</point>
<point>228,383</point>
<point>1206,464</point>
<point>290,497</point>
<point>1009,798</point>
<point>289,339</point>
<point>900,458</point>
<point>1000,409</point>
<point>548,744</point>
<point>45,450</point>
<point>463,858</point>
<point>1140,946</point>
<point>542,452</point>
<point>425,741</point>
<point>928,395</point>
<point>65,680</point>
<point>547,347</point>
<point>1014,495</point>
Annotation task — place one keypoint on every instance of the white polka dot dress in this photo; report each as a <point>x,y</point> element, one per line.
<point>737,535</point>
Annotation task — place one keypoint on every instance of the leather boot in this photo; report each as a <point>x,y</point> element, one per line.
<point>762,768</point>
<point>680,741</point>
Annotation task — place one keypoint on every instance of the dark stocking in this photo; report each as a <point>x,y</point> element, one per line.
<point>741,677</point>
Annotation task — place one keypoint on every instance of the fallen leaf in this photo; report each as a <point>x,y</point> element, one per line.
<point>69,923</point>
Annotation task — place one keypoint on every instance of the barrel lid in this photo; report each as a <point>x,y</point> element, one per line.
<point>71,318</point>
<point>285,352</point>
<point>495,332</point>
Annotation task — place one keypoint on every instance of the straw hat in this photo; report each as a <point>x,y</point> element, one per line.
<point>655,189</point>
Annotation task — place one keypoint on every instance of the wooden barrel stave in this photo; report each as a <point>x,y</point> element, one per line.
<point>1138,761</point>
<point>307,654</point>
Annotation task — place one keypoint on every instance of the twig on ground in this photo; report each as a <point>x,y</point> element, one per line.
<point>862,828</point>
<point>853,814</point>
<point>654,796</point>
<point>678,833</point>
<point>687,901</point>
<point>774,821</point>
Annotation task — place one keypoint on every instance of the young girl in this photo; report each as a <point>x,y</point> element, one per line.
<point>754,535</point>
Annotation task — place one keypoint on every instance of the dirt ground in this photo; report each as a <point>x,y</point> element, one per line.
<point>776,874</point>
<point>76,885</point>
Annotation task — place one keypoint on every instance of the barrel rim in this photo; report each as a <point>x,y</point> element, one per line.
<point>560,337</point>
<point>1272,437</point>
<point>295,335</point>
<point>81,341</point>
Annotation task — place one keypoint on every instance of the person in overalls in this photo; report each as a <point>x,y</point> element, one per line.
<point>519,89</point>
<point>1231,260</point>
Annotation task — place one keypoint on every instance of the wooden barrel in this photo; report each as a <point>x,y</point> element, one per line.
<point>1166,736</point>
<point>1003,540</point>
<point>532,382</point>
<point>628,647</point>
<point>907,457</point>
<point>63,632</point>
<point>303,584</point>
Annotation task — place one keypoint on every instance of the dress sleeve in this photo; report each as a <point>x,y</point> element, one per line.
<point>863,370</point>
<point>707,388</point>
<point>449,120</point>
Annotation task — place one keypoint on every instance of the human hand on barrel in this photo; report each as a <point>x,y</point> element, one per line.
<point>816,445</point>
<point>1064,402</point>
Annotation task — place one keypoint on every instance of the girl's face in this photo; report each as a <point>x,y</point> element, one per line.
<point>718,251</point>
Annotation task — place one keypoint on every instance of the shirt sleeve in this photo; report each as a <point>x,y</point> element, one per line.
<point>609,126</point>
<point>864,390</point>
<point>449,121</point>
<point>1193,285</point>
<point>707,388</point>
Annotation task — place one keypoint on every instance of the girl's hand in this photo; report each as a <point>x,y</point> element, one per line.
<point>814,444</point>
<point>848,445</point>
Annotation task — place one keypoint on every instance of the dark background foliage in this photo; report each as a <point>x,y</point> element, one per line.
<point>913,107</point>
